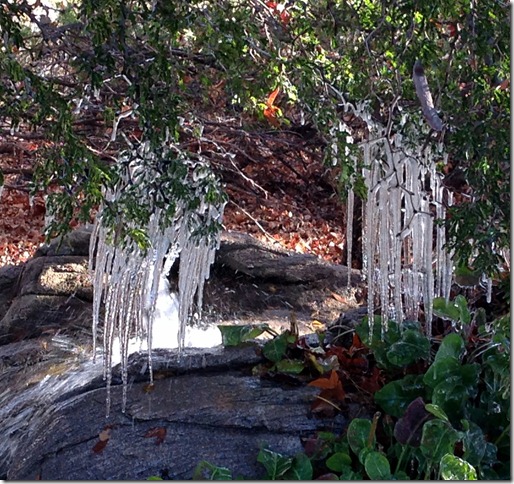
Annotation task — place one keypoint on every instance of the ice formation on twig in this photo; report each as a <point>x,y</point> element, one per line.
<point>126,279</point>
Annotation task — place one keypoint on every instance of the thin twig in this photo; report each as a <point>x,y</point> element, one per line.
<point>267,234</point>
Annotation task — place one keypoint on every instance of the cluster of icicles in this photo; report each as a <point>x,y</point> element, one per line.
<point>127,281</point>
<point>405,262</point>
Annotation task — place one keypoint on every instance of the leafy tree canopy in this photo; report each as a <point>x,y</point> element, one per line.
<point>159,71</point>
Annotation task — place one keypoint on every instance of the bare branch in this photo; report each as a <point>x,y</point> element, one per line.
<point>425,97</point>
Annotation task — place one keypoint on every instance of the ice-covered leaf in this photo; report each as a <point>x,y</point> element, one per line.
<point>275,349</point>
<point>438,438</point>
<point>235,335</point>
<point>453,468</point>
<point>451,345</point>
<point>413,346</point>
<point>301,469</point>
<point>290,366</point>
<point>205,470</point>
<point>276,464</point>
<point>396,396</point>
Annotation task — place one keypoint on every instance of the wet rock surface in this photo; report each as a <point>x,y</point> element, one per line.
<point>211,409</point>
<point>53,397</point>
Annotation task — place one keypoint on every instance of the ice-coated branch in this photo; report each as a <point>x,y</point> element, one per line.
<point>425,97</point>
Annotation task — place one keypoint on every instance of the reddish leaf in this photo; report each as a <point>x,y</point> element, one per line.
<point>159,433</point>
<point>103,438</point>
<point>372,383</point>
<point>100,446</point>
<point>285,17</point>
<point>326,383</point>
<point>272,97</point>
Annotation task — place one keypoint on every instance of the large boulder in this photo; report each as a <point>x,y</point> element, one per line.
<point>57,276</point>
<point>34,314</point>
<point>203,406</point>
<point>75,242</point>
<point>9,281</point>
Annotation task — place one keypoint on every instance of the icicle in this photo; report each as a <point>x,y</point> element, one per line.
<point>349,234</point>
<point>383,252</point>
<point>489,290</point>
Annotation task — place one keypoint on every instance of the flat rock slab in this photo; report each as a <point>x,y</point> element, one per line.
<point>203,412</point>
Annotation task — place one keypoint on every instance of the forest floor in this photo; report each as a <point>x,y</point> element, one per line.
<point>279,190</point>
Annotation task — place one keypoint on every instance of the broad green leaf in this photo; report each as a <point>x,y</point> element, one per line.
<point>442,369</point>
<point>474,444</point>
<point>337,461</point>
<point>236,335</point>
<point>301,469</point>
<point>438,438</point>
<point>275,349</point>
<point>377,466</point>
<point>453,468</point>
<point>412,347</point>
<point>445,309</point>
<point>391,335</point>
<point>290,366</point>
<point>451,345</point>
<point>276,464</point>
<point>437,411</point>
<point>451,396</point>
<point>358,434</point>
<point>396,396</point>
<point>462,306</point>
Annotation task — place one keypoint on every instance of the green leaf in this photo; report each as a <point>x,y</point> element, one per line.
<point>275,349</point>
<point>214,473</point>
<point>451,396</point>
<point>377,466</point>
<point>236,335</point>
<point>438,438</point>
<point>358,434</point>
<point>462,306</point>
<point>466,277</point>
<point>276,464</point>
<point>412,347</point>
<point>445,309</point>
<point>437,411</point>
<point>441,369</point>
<point>396,396</point>
<point>453,468</point>
<point>474,444</point>
<point>290,366</point>
<point>451,345</point>
<point>301,469</point>
<point>391,335</point>
<point>348,474</point>
<point>154,478</point>
<point>337,461</point>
